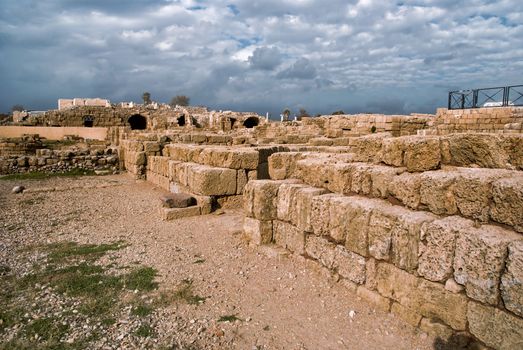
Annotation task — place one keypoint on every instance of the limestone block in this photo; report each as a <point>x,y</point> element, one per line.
<point>484,150</point>
<point>367,148</point>
<point>381,178</point>
<point>429,298</point>
<point>341,212</point>
<point>436,328</point>
<point>261,198</point>
<point>230,202</point>
<point>320,249</point>
<point>356,225</point>
<point>410,316</point>
<point>258,232</point>
<point>507,202</point>
<point>473,191</point>
<point>168,214</point>
<point>383,220</point>
<point>314,171</point>
<point>393,149</point>
<point>177,200</point>
<point>283,165</point>
<point>406,188</point>
<point>320,218</point>
<point>349,264</point>
<point>438,241</point>
<point>437,191</point>
<point>373,298</point>
<point>286,203</point>
<point>172,172</point>
<point>209,181</point>
<point>140,159</point>
<point>480,259</point>
<point>405,239</point>
<point>241,180</point>
<point>512,279</point>
<point>151,147</point>
<point>289,237</point>
<point>371,268</point>
<point>496,328</point>
<point>361,178</point>
<point>339,178</point>
<point>421,153</point>
<point>182,172</point>
<point>230,158</point>
<point>514,147</point>
<point>302,214</point>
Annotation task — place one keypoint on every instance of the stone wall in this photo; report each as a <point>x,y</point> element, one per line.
<point>499,120</point>
<point>53,133</point>
<point>48,160</point>
<point>439,245</point>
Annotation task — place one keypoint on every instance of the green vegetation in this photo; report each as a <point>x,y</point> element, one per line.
<point>185,293</point>
<point>37,175</point>
<point>228,318</point>
<point>88,289</point>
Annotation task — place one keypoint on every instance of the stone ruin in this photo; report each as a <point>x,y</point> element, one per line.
<point>419,215</point>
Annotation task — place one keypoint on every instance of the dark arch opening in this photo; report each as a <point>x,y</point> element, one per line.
<point>137,122</point>
<point>251,122</point>
<point>233,120</point>
<point>88,121</point>
<point>181,120</point>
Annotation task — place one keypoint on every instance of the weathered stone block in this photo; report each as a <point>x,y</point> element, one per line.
<point>431,299</point>
<point>233,158</point>
<point>177,200</point>
<point>356,226</point>
<point>421,153</point>
<point>209,181</point>
<point>314,171</point>
<point>373,298</point>
<point>261,198</point>
<point>381,178</point>
<point>286,203</point>
<point>406,188</point>
<point>410,316</point>
<point>496,328</point>
<point>480,259</point>
<point>349,265</point>
<point>507,202</point>
<point>178,213</point>
<point>437,191</point>
<point>320,249</point>
<point>438,241</point>
<point>473,191</point>
<point>405,239</point>
<point>484,150</point>
<point>258,232</point>
<point>392,151</point>
<point>283,165</point>
<point>382,220</point>
<point>361,178</point>
<point>433,327</point>
<point>320,218</point>
<point>241,180</point>
<point>289,237</point>
<point>512,279</point>
<point>302,214</point>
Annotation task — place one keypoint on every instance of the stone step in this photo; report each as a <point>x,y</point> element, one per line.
<point>480,194</point>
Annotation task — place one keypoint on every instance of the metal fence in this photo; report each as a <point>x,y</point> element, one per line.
<point>488,97</point>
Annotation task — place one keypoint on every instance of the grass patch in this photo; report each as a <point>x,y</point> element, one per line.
<point>228,318</point>
<point>73,271</point>
<point>144,331</point>
<point>38,175</point>
<point>142,310</point>
<point>184,293</point>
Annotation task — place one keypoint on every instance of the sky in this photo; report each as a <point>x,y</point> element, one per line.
<point>375,56</point>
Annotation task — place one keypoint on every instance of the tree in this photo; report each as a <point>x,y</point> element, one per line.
<point>286,113</point>
<point>338,113</point>
<point>18,108</point>
<point>303,114</point>
<point>180,100</point>
<point>146,98</point>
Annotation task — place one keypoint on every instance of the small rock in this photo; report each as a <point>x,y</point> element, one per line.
<point>453,286</point>
<point>177,200</point>
<point>18,189</point>
<point>352,313</point>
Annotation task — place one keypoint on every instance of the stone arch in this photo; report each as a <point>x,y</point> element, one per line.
<point>88,121</point>
<point>137,122</point>
<point>251,122</point>
<point>181,120</point>
<point>233,121</point>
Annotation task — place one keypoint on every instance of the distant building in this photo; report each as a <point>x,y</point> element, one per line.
<point>65,103</point>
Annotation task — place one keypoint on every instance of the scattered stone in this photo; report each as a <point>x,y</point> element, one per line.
<point>18,189</point>
<point>177,200</point>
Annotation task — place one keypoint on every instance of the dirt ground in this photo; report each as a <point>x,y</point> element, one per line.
<point>250,297</point>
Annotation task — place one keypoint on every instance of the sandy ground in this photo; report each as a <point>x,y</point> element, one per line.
<point>281,301</point>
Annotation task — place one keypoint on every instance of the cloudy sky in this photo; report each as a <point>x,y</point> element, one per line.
<point>355,55</point>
